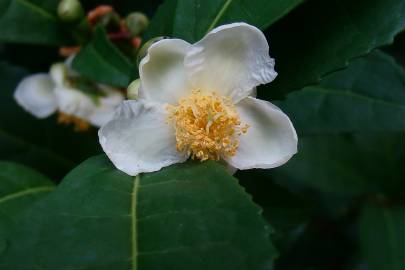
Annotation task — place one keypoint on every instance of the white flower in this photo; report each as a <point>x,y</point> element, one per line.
<point>195,100</point>
<point>44,94</point>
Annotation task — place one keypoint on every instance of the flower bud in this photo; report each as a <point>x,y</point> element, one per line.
<point>133,89</point>
<point>70,11</point>
<point>144,49</point>
<point>111,21</point>
<point>136,23</point>
<point>59,73</point>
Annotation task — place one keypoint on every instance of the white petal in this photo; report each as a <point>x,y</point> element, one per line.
<point>73,102</point>
<point>271,139</point>
<point>138,139</point>
<point>162,73</point>
<point>104,110</point>
<point>101,115</point>
<point>36,95</point>
<point>231,60</point>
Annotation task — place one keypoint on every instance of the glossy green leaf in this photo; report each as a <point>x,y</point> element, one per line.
<point>367,96</point>
<point>20,187</point>
<point>103,62</point>
<point>287,212</point>
<point>41,144</point>
<point>187,216</point>
<point>382,237</point>
<point>31,21</point>
<point>192,19</point>
<point>347,164</point>
<point>322,36</point>
<point>18,182</point>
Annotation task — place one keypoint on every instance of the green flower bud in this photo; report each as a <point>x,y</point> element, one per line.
<point>144,49</point>
<point>59,73</point>
<point>136,23</point>
<point>111,21</point>
<point>133,89</point>
<point>70,11</point>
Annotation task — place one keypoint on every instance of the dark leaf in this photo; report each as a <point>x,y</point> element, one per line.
<point>367,96</point>
<point>347,164</point>
<point>192,19</point>
<point>187,216</point>
<point>20,187</point>
<point>103,62</point>
<point>323,36</point>
<point>31,21</point>
<point>382,237</point>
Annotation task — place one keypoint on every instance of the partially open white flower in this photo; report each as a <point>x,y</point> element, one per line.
<point>77,100</point>
<point>195,100</point>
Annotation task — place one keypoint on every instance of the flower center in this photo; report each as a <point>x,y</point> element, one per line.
<point>207,126</point>
<point>79,124</point>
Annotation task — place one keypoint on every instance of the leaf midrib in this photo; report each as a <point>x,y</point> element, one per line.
<point>134,236</point>
<point>219,15</point>
<point>25,192</point>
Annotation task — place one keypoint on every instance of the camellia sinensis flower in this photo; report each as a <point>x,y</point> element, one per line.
<point>77,100</point>
<point>196,101</point>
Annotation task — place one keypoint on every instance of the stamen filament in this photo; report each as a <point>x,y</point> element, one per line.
<point>207,126</point>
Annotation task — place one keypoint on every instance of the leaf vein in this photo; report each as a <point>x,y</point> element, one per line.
<point>37,9</point>
<point>134,237</point>
<point>219,15</point>
<point>25,192</point>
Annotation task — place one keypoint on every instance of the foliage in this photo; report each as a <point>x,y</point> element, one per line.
<point>338,204</point>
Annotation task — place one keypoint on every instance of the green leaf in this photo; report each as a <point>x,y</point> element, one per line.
<point>103,62</point>
<point>20,187</point>
<point>192,19</point>
<point>187,216</point>
<point>323,36</point>
<point>41,144</point>
<point>287,212</point>
<point>31,21</point>
<point>347,165</point>
<point>367,96</point>
<point>382,237</point>
<point>18,182</point>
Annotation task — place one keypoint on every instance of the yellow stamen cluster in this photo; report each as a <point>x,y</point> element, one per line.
<point>79,124</point>
<point>207,126</point>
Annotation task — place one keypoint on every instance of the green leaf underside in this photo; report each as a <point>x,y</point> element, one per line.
<point>31,21</point>
<point>367,96</point>
<point>347,164</point>
<point>191,20</point>
<point>187,216</point>
<point>39,143</point>
<point>382,237</point>
<point>323,36</point>
<point>103,62</point>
